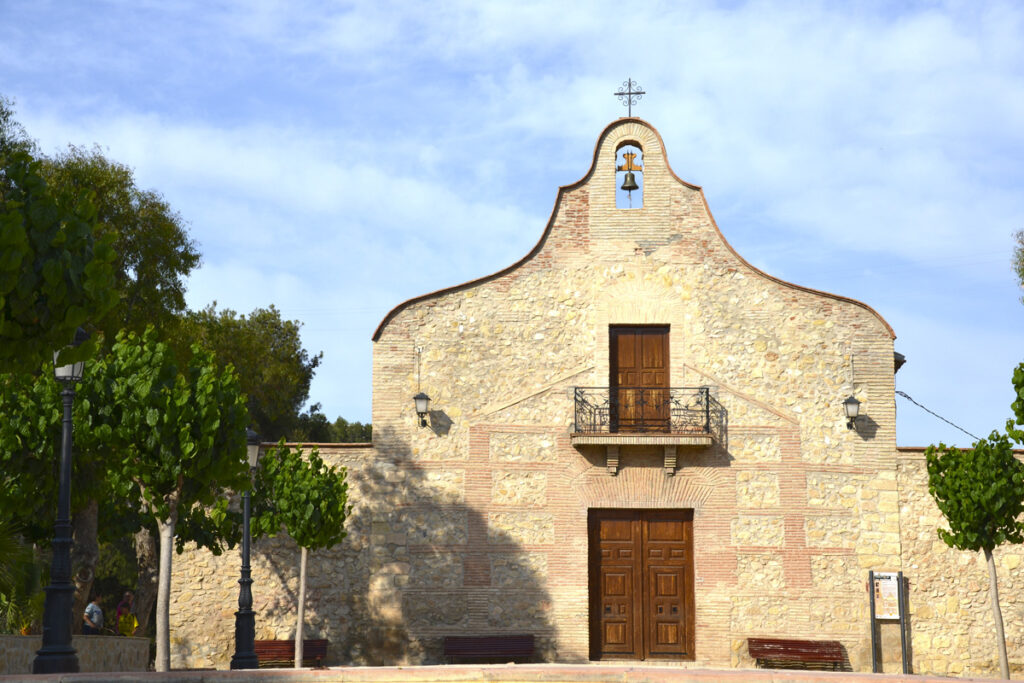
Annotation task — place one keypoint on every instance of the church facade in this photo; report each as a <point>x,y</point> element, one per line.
<point>635,449</point>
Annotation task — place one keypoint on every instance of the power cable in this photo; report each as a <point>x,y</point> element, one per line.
<point>938,416</point>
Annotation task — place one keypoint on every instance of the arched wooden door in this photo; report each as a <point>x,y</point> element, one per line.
<point>641,584</point>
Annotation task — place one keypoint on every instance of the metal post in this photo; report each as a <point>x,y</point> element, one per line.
<point>57,655</point>
<point>707,409</point>
<point>245,619</point>
<point>874,636</point>
<point>902,597</point>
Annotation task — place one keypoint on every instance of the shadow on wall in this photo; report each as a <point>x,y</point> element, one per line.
<point>865,427</point>
<point>653,457</point>
<point>418,564</point>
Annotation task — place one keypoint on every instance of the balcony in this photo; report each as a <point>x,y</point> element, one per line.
<point>643,416</point>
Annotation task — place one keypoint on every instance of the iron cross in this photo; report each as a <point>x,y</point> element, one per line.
<point>628,95</point>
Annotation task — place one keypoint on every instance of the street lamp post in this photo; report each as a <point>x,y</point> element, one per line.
<point>245,619</point>
<point>57,655</point>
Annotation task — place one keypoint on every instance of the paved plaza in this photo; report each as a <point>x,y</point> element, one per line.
<point>497,673</point>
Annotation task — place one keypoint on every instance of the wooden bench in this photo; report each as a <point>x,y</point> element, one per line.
<point>501,647</point>
<point>783,653</point>
<point>281,653</point>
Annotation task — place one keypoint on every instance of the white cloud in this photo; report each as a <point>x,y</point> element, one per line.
<point>347,156</point>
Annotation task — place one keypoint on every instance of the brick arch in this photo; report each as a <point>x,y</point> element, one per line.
<point>647,488</point>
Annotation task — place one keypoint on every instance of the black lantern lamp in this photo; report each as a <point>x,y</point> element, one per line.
<point>245,619</point>
<point>57,655</point>
<point>852,408</point>
<point>252,447</point>
<point>422,402</point>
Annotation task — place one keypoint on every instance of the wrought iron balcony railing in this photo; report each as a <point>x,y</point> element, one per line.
<point>676,410</point>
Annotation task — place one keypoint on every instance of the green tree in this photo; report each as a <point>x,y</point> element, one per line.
<point>1013,425</point>
<point>30,436</point>
<point>154,253</point>
<point>183,431</point>
<point>13,137</point>
<point>104,508</point>
<point>305,498</point>
<point>21,593</point>
<point>981,493</point>
<point>313,427</point>
<point>56,266</point>
<point>352,432</point>
<point>266,351</point>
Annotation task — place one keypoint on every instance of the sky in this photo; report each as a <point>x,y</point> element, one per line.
<point>337,158</point>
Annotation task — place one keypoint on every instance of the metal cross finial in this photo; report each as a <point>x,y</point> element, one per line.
<point>628,95</point>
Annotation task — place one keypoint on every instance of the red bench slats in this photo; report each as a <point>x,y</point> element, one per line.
<point>790,650</point>
<point>278,653</point>
<point>488,647</point>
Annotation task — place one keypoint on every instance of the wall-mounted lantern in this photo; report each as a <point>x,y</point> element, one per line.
<point>852,408</point>
<point>422,402</point>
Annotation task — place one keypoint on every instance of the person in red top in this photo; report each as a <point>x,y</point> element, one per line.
<point>126,621</point>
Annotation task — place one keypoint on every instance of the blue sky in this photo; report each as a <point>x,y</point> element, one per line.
<point>335,159</point>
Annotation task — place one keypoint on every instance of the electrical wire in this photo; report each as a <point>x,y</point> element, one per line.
<point>938,416</point>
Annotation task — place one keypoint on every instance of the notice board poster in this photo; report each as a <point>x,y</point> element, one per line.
<point>887,600</point>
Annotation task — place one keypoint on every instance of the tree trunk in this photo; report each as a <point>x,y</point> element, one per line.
<point>302,608</point>
<point>85,553</point>
<point>997,614</point>
<point>163,596</point>
<point>145,591</point>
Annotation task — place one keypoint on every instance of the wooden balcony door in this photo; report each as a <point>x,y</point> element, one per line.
<point>641,584</point>
<point>639,378</point>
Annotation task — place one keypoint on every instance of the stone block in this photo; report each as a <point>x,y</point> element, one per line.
<point>517,447</point>
<point>757,530</point>
<point>757,489</point>
<point>528,489</point>
<point>528,528</point>
<point>518,570</point>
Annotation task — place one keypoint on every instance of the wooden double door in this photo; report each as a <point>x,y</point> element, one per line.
<point>641,584</point>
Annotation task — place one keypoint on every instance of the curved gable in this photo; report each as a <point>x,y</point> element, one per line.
<point>650,227</point>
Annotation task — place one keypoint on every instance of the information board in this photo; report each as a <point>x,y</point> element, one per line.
<point>887,595</point>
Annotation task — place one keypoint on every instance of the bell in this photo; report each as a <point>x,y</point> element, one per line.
<point>629,184</point>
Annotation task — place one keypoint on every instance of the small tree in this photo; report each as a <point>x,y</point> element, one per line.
<point>308,500</point>
<point>184,432</point>
<point>981,493</point>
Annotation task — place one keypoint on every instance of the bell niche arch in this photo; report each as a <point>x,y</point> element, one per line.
<point>629,175</point>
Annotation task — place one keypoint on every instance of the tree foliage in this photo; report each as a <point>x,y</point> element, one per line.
<point>980,492</point>
<point>21,595</point>
<point>183,429</point>
<point>1013,426</point>
<point>301,495</point>
<point>313,427</point>
<point>154,253</point>
<point>155,441</point>
<point>274,369</point>
<point>30,437</point>
<point>56,265</point>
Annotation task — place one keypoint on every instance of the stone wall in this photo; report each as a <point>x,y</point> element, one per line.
<point>477,523</point>
<point>951,613</point>
<point>95,653</point>
<point>792,501</point>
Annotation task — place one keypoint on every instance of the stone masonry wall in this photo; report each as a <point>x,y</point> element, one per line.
<point>953,632</point>
<point>477,523</point>
<point>790,513</point>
